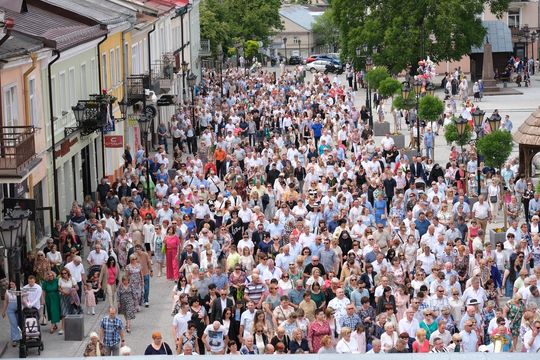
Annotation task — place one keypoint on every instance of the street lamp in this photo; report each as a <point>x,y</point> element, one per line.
<point>144,125</point>
<point>123,108</point>
<point>478,118</point>
<point>285,46</point>
<point>369,66</point>
<point>495,122</point>
<point>13,235</point>
<point>184,66</point>
<point>192,78</point>
<point>220,62</point>
<point>525,32</point>
<point>417,87</point>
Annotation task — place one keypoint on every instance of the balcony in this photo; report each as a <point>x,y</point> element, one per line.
<point>163,74</point>
<point>205,49</point>
<point>136,85</point>
<point>17,152</point>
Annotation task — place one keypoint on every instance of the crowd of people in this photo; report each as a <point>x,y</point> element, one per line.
<point>288,229</point>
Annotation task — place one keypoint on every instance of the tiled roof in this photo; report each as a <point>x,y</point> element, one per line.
<point>302,15</point>
<point>499,36</point>
<point>19,44</point>
<point>106,13</point>
<point>55,29</point>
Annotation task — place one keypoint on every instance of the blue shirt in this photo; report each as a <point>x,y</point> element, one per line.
<point>422,226</point>
<point>317,129</point>
<point>111,330</point>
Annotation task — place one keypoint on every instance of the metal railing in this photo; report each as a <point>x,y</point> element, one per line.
<point>205,49</point>
<point>17,146</point>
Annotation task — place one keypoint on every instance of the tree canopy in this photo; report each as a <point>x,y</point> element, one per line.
<point>389,87</point>
<point>376,75</point>
<point>400,32</point>
<point>496,147</point>
<point>231,22</point>
<point>451,134</point>
<point>430,108</point>
<point>326,31</point>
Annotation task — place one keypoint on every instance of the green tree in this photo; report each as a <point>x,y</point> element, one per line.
<point>451,134</point>
<point>252,49</point>
<point>430,108</point>
<point>325,31</point>
<point>232,22</point>
<point>389,87</point>
<point>376,75</point>
<point>495,147</point>
<point>400,32</point>
<point>400,103</point>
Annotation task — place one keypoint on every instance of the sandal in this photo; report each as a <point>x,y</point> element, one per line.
<point>53,329</point>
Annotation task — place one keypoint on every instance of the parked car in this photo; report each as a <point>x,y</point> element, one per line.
<point>312,58</point>
<point>295,60</point>
<point>317,66</point>
<point>334,67</point>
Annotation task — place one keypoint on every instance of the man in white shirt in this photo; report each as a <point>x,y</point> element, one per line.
<point>165,213</point>
<point>481,211</point>
<point>76,269</point>
<point>409,324</point>
<point>180,323</point>
<point>339,304</point>
<point>102,237</point>
<point>32,294</point>
<point>97,257</point>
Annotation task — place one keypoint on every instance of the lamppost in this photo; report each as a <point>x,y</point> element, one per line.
<point>192,78</point>
<point>369,66</point>
<point>285,46</point>
<point>478,118</point>
<point>534,37</point>
<point>220,62</point>
<point>144,124</point>
<point>184,73</point>
<point>299,49</point>
<point>526,32</point>
<point>13,234</point>
<point>123,108</point>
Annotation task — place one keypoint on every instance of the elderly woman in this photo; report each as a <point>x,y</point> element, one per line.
<point>347,344</point>
<point>136,281</point>
<point>94,348</point>
<point>158,346</point>
<point>42,266</point>
<point>126,303</point>
<point>389,337</point>
<point>67,287</point>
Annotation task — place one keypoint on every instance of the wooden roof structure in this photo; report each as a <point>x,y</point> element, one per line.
<point>528,138</point>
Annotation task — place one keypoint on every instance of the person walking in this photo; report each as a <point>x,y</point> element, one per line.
<point>111,333</point>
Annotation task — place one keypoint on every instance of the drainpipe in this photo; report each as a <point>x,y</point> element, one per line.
<point>152,125</point>
<point>26,92</point>
<point>100,82</point>
<point>56,53</point>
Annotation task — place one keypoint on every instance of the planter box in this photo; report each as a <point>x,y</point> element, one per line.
<point>381,129</point>
<point>399,140</point>
<point>496,237</point>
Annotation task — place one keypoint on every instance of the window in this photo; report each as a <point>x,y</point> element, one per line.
<point>63,94</point>
<point>513,18</point>
<point>71,88</point>
<point>11,111</point>
<point>93,78</point>
<point>54,96</point>
<point>84,84</point>
<point>119,74</point>
<point>143,54</point>
<point>33,102</point>
<point>104,71</point>
<point>135,70</point>
<point>113,68</point>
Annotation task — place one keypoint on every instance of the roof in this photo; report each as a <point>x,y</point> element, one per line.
<point>18,45</point>
<point>56,28</point>
<point>529,132</point>
<point>499,35</point>
<point>302,15</point>
<point>108,14</point>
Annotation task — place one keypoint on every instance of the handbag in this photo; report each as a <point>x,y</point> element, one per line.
<point>493,199</point>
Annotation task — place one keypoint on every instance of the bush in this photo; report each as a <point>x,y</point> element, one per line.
<point>430,108</point>
<point>376,75</point>
<point>400,103</point>
<point>495,147</point>
<point>389,87</point>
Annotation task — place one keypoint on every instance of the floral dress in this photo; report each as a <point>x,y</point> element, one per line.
<point>126,304</point>
<point>122,250</point>
<point>315,333</point>
<point>515,313</point>
<point>135,282</point>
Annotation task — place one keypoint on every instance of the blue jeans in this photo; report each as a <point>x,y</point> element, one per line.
<point>12,316</point>
<point>146,288</point>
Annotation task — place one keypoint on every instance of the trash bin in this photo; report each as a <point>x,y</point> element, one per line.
<point>74,327</point>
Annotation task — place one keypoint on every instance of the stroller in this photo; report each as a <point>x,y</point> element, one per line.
<point>93,279</point>
<point>32,330</point>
